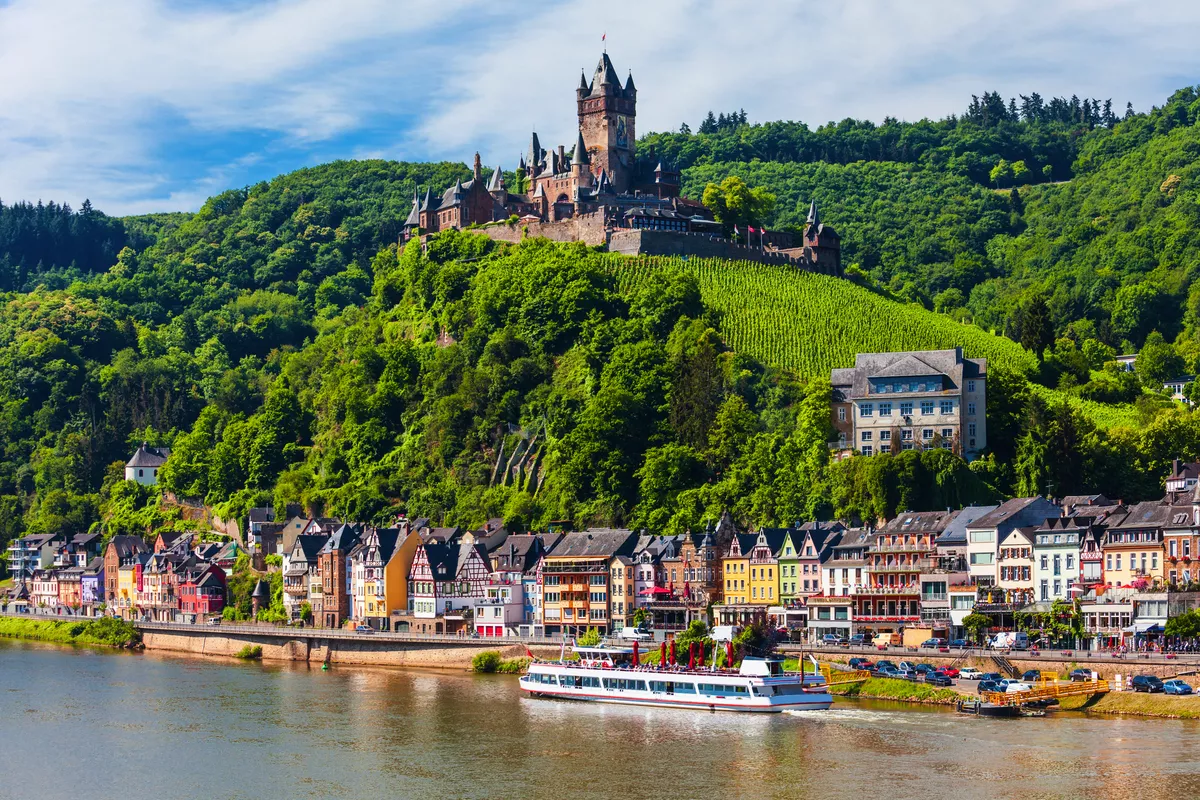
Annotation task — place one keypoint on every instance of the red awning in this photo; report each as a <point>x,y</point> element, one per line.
<point>654,590</point>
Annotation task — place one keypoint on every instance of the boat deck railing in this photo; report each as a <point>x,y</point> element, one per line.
<point>1047,692</point>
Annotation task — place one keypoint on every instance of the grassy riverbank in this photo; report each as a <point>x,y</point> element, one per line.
<point>1144,705</point>
<point>892,689</point>
<point>106,631</point>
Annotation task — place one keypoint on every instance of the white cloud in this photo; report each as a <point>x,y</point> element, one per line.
<point>813,61</point>
<point>122,100</point>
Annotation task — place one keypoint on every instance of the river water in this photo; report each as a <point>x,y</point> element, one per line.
<point>79,723</point>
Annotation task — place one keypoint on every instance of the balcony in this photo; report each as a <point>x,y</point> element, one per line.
<point>934,597</point>
<point>886,618</point>
<point>919,565</point>
<point>911,591</point>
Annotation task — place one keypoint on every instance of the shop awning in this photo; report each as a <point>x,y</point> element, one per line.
<point>1142,627</point>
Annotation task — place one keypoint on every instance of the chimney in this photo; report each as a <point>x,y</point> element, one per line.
<point>1175,465</point>
<point>562,157</point>
<point>478,171</point>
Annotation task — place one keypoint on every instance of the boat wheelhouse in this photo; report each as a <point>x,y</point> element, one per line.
<point>612,675</point>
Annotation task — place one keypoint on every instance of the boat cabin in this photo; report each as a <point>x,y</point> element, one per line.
<point>605,656</point>
<point>761,667</point>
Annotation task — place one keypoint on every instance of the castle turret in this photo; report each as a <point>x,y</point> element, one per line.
<point>580,164</point>
<point>822,243</point>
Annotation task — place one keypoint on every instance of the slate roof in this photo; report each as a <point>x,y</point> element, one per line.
<point>147,456</point>
<point>955,532</point>
<point>595,542</point>
<point>262,514</point>
<point>1018,512</point>
<point>311,544</point>
<point>950,364</point>
<point>919,522</point>
<point>519,553</point>
<point>128,546</point>
<point>1151,514</point>
<point>343,538</point>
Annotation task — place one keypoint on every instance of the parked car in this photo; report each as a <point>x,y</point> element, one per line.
<point>988,686</point>
<point>1017,686</point>
<point>1081,674</point>
<point>861,663</point>
<point>364,629</point>
<point>859,640</point>
<point>1031,675</point>
<point>992,676</point>
<point>959,643</point>
<point>949,672</point>
<point>933,644</point>
<point>1147,683</point>
<point>938,679</point>
<point>883,672</point>
<point>906,665</point>
<point>906,674</point>
<point>214,620</point>
<point>970,674</point>
<point>925,669</point>
<point>831,640</point>
<point>883,662</point>
<point>1176,686</point>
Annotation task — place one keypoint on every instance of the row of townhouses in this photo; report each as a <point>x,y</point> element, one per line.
<point>174,578</point>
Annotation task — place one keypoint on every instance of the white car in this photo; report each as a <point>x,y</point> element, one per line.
<point>969,674</point>
<point>1017,686</point>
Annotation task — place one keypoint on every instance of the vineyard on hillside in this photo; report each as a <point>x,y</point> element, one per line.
<point>809,324</point>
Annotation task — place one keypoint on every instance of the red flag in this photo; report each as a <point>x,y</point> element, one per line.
<point>604,36</point>
<point>749,228</point>
<point>529,653</point>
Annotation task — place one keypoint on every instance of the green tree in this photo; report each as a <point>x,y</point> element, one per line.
<point>1157,362</point>
<point>733,202</point>
<point>976,624</point>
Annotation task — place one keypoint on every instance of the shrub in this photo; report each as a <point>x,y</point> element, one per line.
<point>487,661</point>
<point>251,652</point>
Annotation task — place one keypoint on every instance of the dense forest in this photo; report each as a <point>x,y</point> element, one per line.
<point>288,350</point>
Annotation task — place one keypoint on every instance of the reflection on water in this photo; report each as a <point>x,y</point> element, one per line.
<point>76,722</point>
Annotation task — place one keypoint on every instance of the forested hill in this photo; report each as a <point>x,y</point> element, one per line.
<point>287,351</point>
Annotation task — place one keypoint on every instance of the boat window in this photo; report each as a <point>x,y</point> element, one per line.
<point>590,682</point>
<point>685,688</point>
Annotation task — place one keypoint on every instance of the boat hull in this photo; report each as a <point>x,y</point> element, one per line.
<point>812,702</point>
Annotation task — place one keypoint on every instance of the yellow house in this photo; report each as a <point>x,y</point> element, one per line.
<point>764,566</point>
<point>127,581</point>
<point>398,571</point>
<point>379,575</point>
<point>736,569</point>
<point>1133,547</point>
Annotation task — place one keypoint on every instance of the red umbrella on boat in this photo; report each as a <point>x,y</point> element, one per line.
<point>662,655</point>
<point>635,652</point>
<point>691,655</point>
<point>729,654</point>
<point>672,651</point>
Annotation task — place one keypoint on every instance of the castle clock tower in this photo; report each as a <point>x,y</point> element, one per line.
<point>606,122</point>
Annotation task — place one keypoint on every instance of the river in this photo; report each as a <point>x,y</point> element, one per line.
<point>80,723</point>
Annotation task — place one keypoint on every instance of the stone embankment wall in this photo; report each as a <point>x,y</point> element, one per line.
<point>312,647</point>
<point>1106,666</point>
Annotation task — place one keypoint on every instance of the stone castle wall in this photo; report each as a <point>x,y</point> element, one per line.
<point>587,228</point>
<point>677,243</point>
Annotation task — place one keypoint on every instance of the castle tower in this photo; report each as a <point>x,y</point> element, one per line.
<point>823,243</point>
<point>606,123</point>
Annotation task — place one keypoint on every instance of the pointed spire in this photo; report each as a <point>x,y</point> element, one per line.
<point>497,182</point>
<point>813,217</point>
<point>535,149</point>
<point>583,84</point>
<point>414,216</point>
<point>603,185</point>
<point>541,191</point>
<point>629,87</point>
<point>581,154</point>
<point>458,190</point>
<point>427,203</point>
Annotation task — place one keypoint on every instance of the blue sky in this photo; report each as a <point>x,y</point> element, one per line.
<point>154,105</point>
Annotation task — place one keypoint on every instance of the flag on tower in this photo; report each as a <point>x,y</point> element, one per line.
<point>604,36</point>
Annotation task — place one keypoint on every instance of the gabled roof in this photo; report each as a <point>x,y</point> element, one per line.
<point>855,382</point>
<point>343,538</point>
<point>919,522</point>
<point>310,545</point>
<point>1018,512</point>
<point>147,456</point>
<point>519,553</point>
<point>128,546</point>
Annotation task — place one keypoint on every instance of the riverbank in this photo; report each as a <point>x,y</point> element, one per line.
<point>101,632</point>
<point>898,690</point>
<point>1136,704</point>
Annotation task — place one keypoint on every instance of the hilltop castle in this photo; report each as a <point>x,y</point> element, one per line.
<point>596,194</point>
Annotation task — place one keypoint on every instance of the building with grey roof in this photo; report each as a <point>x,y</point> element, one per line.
<point>890,402</point>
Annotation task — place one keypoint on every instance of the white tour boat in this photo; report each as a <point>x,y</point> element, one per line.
<point>608,674</point>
